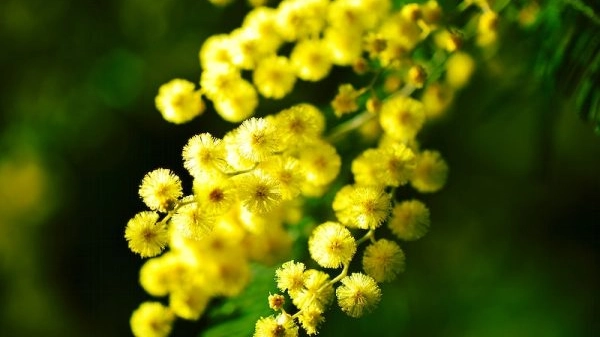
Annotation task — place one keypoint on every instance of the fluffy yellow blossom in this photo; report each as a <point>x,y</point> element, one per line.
<point>290,277</point>
<point>320,163</point>
<point>257,139</point>
<point>402,117</point>
<point>416,76</point>
<point>204,154</point>
<point>365,207</point>
<point>436,98</point>
<point>310,60</point>
<point>220,79</point>
<point>258,192</point>
<point>160,189</point>
<point>298,19</point>
<point>430,173</point>
<point>316,294</point>
<point>165,273</point>
<point>487,28</point>
<point>346,100</point>
<point>310,319</point>
<point>215,194</point>
<point>178,101</point>
<point>459,68</point>
<point>194,221</point>
<point>274,77</point>
<point>247,48</point>
<point>151,319</point>
<point>275,327</point>
<point>299,124</point>
<point>216,51</point>
<point>227,274</point>
<point>276,301</point>
<point>145,236</point>
<point>358,294</point>
<point>383,260</point>
<point>409,220</point>
<point>190,301</point>
<point>239,103</point>
<point>262,21</point>
<point>390,165</point>
<point>287,173</point>
<point>344,45</point>
<point>331,245</point>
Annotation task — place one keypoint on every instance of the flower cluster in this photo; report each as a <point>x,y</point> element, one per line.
<point>250,183</point>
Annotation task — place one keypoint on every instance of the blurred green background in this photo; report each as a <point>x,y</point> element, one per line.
<point>513,249</point>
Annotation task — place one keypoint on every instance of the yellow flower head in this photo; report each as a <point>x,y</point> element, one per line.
<point>258,192</point>
<point>216,51</point>
<point>227,274</point>
<point>430,173</point>
<point>358,294</point>
<point>287,173</point>
<point>238,103</point>
<point>316,293</point>
<point>298,19</point>
<point>437,98</point>
<point>280,326</point>
<point>310,319</point>
<point>331,245</point>
<point>321,163</point>
<point>299,124</point>
<point>346,100</point>
<point>221,80</point>
<point>151,319</point>
<point>203,154</point>
<point>402,117</point>
<point>310,60</point>
<point>410,220</point>
<point>383,260</point>
<point>344,45</point>
<point>459,68</point>
<point>160,189</point>
<point>365,207</point>
<point>215,194</point>
<point>247,48</point>
<point>261,21</point>
<point>144,236</point>
<point>274,77</point>
<point>190,301</point>
<point>257,139</point>
<point>193,221</point>
<point>389,165</point>
<point>178,102</point>
<point>290,277</point>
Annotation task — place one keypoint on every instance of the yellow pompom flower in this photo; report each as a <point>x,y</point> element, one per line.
<point>436,98</point>
<point>402,117</point>
<point>190,301</point>
<point>204,154</point>
<point>310,60</point>
<point>299,124</point>
<point>239,102</point>
<point>287,172</point>
<point>430,173</point>
<point>459,68</point>
<point>316,294</point>
<point>247,48</point>
<point>160,189</point>
<point>365,207</point>
<point>331,245</point>
<point>216,51</point>
<point>487,28</point>
<point>151,319</point>
<point>262,21</point>
<point>227,274</point>
<point>145,236</point>
<point>409,220</point>
<point>389,165</point>
<point>193,221</point>
<point>290,277</point>
<point>383,260</point>
<point>320,162</point>
<point>216,193</point>
<point>344,45</point>
<point>274,77</point>
<point>257,139</point>
<point>258,192</point>
<point>298,19</point>
<point>345,100</point>
<point>220,80</point>
<point>154,276</point>
<point>358,294</point>
<point>310,319</point>
<point>178,101</point>
<point>280,326</point>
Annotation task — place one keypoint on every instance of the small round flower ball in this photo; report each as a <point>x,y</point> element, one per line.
<point>430,173</point>
<point>410,220</point>
<point>459,68</point>
<point>151,319</point>
<point>154,276</point>
<point>290,276</point>
<point>193,221</point>
<point>365,207</point>
<point>344,45</point>
<point>274,77</point>
<point>178,101</point>
<point>383,260</point>
<point>189,302</point>
<point>310,319</point>
<point>299,125</point>
<point>258,192</point>
<point>257,138</point>
<point>317,292</point>
<point>310,60</point>
<point>204,154</point>
<point>160,189</point>
<point>238,103</point>
<point>331,245</point>
<point>320,163</point>
<point>275,327</point>
<point>144,236</point>
<point>358,294</point>
<point>402,117</point>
